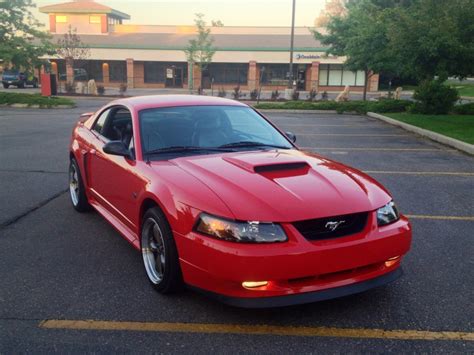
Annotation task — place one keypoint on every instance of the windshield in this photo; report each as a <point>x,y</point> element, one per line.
<point>206,129</point>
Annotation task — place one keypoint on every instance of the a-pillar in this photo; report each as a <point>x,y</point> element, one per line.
<point>105,73</point>
<point>130,73</point>
<point>373,82</point>
<point>252,79</point>
<point>314,76</point>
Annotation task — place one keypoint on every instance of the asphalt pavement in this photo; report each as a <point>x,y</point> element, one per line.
<point>58,265</point>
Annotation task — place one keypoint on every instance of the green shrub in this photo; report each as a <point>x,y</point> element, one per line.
<point>466,109</point>
<point>360,107</point>
<point>384,106</point>
<point>254,94</point>
<point>222,92</point>
<point>9,98</point>
<point>433,97</point>
<point>101,89</point>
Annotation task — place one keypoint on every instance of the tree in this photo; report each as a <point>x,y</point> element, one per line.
<point>22,43</point>
<point>332,8</point>
<point>432,38</point>
<point>361,35</point>
<point>71,48</point>
<point>200,50</point>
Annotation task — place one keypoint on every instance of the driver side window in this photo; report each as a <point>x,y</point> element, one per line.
<point>115,124</point>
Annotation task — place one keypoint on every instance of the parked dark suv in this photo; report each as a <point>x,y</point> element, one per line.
<point>18,79</point>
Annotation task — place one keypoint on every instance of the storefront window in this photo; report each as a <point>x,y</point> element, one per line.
<point>276,74</point>
<point>118,71</point>
<point>155,72</point>
<point>228,73</point>
<point>336,75</point>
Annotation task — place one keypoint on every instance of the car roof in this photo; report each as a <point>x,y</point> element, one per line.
<point>156,101</point>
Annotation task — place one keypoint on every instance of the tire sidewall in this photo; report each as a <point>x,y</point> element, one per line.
<point>82,203</point>
<point>172,279</point>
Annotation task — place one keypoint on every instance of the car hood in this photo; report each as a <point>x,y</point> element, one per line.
<point>284,185</point>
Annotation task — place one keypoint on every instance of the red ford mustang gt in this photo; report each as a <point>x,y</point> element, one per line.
<point>219,199</point>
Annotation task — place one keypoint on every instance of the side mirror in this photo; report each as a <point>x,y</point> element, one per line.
<point>117,148</point>
<point>291,136</point>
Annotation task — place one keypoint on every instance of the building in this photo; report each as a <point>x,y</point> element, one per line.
<point>152,56</point>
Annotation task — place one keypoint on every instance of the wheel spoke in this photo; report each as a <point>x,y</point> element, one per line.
<point>153,251</point>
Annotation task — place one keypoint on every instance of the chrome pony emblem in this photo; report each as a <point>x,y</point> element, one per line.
<point>332,226</point>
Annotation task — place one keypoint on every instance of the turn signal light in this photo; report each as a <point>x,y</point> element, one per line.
<point>254,284</point>
<point>392,261</point>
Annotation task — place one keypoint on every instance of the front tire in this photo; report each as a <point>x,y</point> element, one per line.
<point>160,256</point>
<point>77,191</point>
<point>6,86</point>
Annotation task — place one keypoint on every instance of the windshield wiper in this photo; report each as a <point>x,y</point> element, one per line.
<point>251,144</point>
<point>184,148</point>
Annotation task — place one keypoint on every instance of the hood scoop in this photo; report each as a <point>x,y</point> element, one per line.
<point>259,169</point>
<point>267,163</point>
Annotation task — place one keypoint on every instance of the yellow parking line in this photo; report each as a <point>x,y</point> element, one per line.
<point>257,330</point>
<point>449,218</point>
<point>448,173</point>
<point>381,149</point>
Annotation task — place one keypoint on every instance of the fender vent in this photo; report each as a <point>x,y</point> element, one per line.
<point>280,167</point>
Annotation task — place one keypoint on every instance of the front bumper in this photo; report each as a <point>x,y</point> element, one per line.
<point>310,270</point>
<point>308,297</point>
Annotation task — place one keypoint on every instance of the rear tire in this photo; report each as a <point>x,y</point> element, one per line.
<point>6,86</point>
<point>77,191</point>
<point>159,253</point>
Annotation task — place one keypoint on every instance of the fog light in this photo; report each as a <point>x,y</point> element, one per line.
<point>392,261</point>
<point>253,284</point>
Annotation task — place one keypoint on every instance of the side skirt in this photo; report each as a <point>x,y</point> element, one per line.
<point>126,232</point>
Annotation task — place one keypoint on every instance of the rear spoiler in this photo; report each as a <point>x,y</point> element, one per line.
<point>85,116</point>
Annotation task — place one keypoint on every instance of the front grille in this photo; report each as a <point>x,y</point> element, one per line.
<point>318,229</point>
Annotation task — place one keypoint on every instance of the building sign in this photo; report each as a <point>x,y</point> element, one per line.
<point>301,56</point>
<point>169,73</point>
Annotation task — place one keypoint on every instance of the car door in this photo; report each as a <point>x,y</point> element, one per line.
<point>112,179</point>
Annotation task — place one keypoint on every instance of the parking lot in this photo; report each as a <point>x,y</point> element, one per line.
<point>60,266</point>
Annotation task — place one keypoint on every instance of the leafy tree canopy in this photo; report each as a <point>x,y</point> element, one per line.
<point>417,38</point>
<point>433,38</point>
<point>22,42</point>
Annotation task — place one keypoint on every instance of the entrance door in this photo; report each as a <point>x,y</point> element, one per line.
<point>174,77</point>
<point>301,79</point>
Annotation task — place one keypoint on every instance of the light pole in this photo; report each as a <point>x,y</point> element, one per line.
<point>292,42</point>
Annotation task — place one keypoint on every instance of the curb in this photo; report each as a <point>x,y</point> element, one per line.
<point>439,138</point>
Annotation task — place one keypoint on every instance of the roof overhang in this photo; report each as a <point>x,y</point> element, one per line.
<point>64,9</point>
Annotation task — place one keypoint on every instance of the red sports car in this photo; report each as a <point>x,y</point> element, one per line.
<point>219,199</point>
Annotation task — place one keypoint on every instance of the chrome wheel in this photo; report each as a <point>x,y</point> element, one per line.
<point>153,250</point>
<point>74,184</point>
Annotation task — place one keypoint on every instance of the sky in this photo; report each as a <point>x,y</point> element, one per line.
<point>230,12</point>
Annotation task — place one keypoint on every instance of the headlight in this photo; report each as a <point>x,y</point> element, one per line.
<point>244,232</point>
<point>387,214</point>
